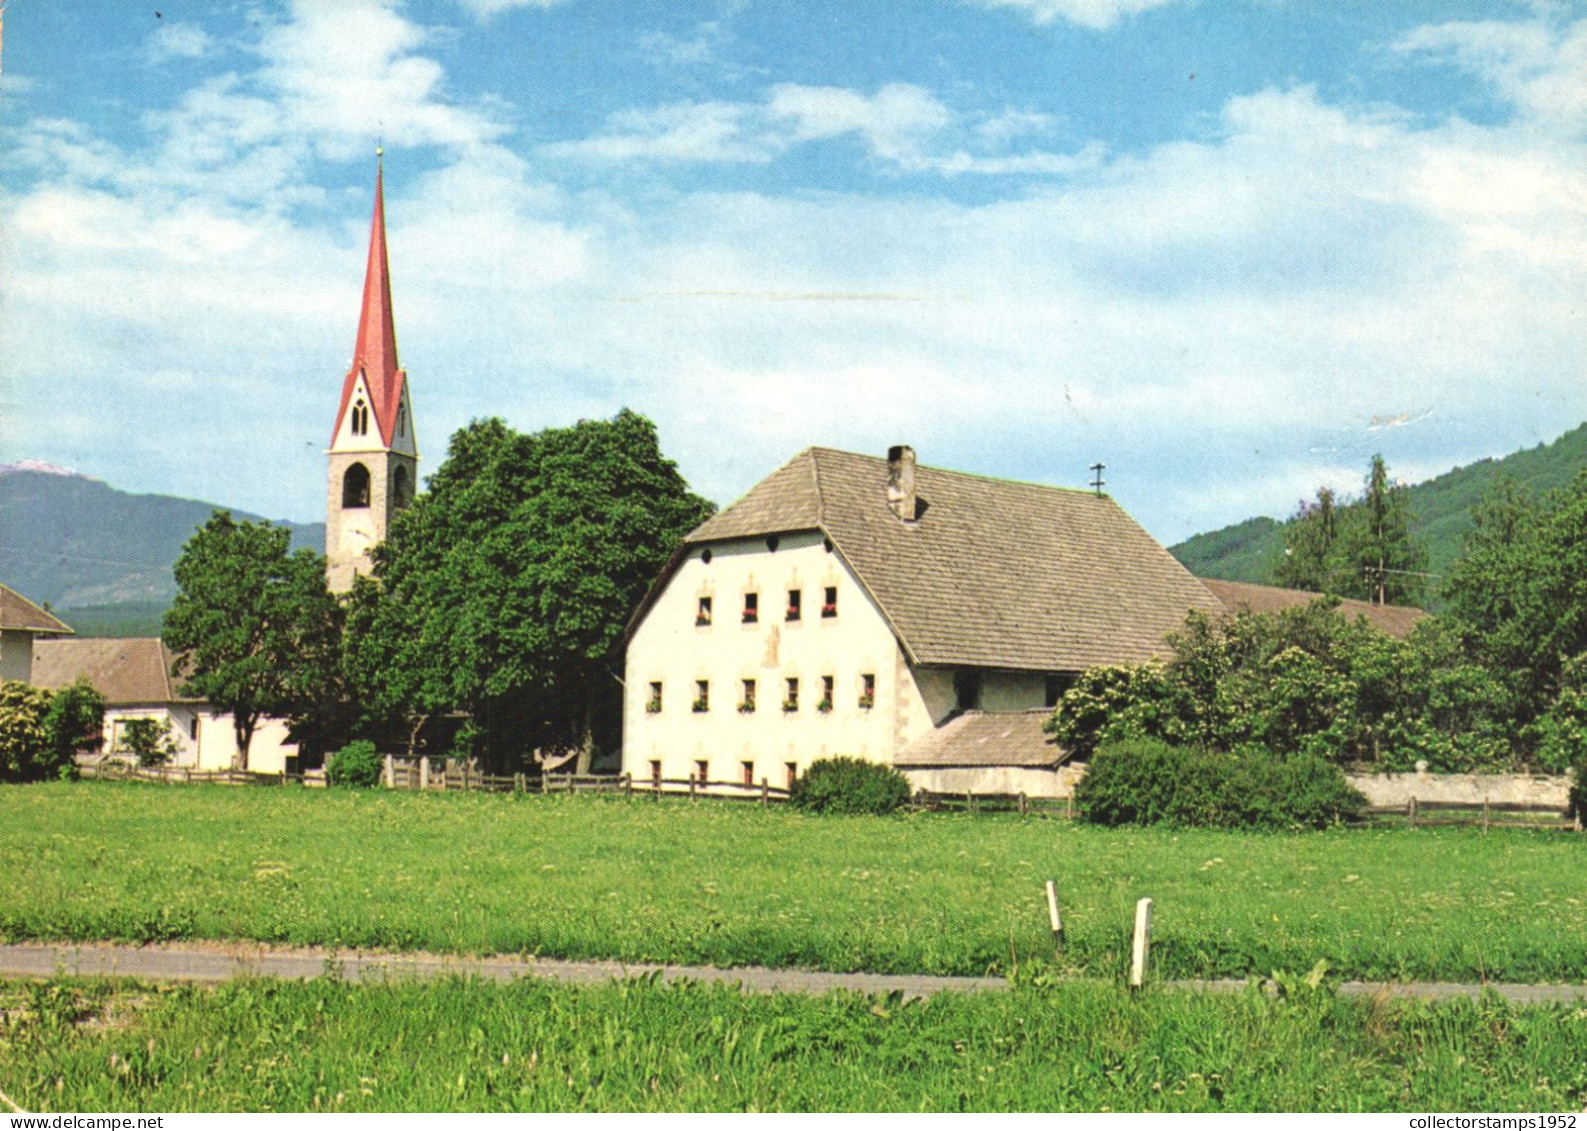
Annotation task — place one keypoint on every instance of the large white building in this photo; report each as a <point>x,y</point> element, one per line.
<point>929,619</point>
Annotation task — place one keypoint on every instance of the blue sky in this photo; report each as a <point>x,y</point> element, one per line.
<point>1230,248</point>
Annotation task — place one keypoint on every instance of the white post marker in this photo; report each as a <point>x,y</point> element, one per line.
<point>1052,913</point>
<point>1143,928</point>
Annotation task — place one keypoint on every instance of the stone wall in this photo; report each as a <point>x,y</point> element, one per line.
<point>1497,789</point>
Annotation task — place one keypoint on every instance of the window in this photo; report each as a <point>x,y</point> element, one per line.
<point>401,487</point>
<point>829,603</point>
<point>702,695</point>
<point>700,769</point>
<point>402,420</point>
<point>791,701</point>
<point>749,772</point>
<point>967,689</point>
<point>355,487</point>
<point>702,615</point>
<point>360,418</point>
<point>751,608</point>
<point>792,769</point>
<point>653,704</point>
<point>746,705</point>
<point>825,705</point>
<point>655,772</point>
<point>192,729</point>
<point>867,691</point>
<point>794,596</point>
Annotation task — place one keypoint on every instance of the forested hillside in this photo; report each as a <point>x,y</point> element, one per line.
<point>1440,513</point>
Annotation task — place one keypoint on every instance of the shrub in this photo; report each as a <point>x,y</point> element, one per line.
<point>355,764</point>
<point>849,785</point>
<point>1146,782</point>
<point>24,735</point>
<point>149,741</point>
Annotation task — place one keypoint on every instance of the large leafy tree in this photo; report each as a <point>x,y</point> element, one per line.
<point>1517,595</point>
<point>504,590</point>
<point>254,628</point>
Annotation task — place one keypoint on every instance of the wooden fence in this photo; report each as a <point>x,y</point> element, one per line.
<point>1482,814</point>
<point>182,775</point>
<point>972,802</point>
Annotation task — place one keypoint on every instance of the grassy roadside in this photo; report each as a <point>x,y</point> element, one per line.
<point>734,885</point>
<point>475,1046</point>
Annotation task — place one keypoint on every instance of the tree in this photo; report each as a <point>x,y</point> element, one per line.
<point>1363,549</point>
<point>24,738</point>
<point>503,591</point>
<point>75,721</point>
<point>254,628</point>
<point>1379,545</point>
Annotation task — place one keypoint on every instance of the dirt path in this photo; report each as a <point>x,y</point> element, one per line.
<point>218,962</point>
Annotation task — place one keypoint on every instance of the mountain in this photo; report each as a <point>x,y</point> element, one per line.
<point>1440,511</point>
<point>101,557</point>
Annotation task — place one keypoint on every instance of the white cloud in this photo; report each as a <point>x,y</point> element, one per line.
<point>1539,68</point>
<point>903,126</point>
<point>177,39</point>
<point>1096,14</point>
<point>487,8</point>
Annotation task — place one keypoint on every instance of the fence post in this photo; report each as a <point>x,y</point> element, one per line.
<point>424,772</point>
<point>969,800</point>
<point>1143,929</point>
<point>1069,804</point>
<point>1022,803</point>
<point>691,787</point>
<point>1485,814</point>
<point>765,792</point>
<point>628,785</point>
<point>389,779</point>
<point>1053,916</point>
<point>1410,813</point>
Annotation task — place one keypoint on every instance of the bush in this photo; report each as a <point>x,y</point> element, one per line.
<point>355,764</point>
<point>149,741</point>
<point>24,735</point>
<point>1146,782</point>
<point>849,785</point>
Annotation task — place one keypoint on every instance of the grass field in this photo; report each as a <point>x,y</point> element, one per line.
<point>262,1046</point>
<point>729,885</point>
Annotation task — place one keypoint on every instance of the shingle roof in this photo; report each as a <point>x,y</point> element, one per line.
<point>1241,596</point>
<point>18,614</point>
<point>124,671</point>
<point>993,574</point>
<point>986,738</point>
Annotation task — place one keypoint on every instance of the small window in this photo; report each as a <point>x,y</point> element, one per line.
<point>751,608</point>
<point>795,597</point>
<point>825,705</point>
<point>700,771</point>
<point>702,615</point>
<point>746,705</point>
<point>401,487</point>
<point>829,603</point>
<point>967,689</point>
<point>655,772</point>
<point>867,691</point>
<point>402,421</point>
<point>749,772</point>
<point>792,771</point>
<point>791,700</point>
<point>705,556</point>
<point>192,729</point>
<point>653,704</point>
<point>702,695</point>
<point>773,542</point>
<point>360,420</point>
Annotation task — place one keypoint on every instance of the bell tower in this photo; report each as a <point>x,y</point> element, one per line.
<point>373,456</point>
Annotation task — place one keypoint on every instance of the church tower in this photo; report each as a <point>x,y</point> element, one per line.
<point>373,456</point>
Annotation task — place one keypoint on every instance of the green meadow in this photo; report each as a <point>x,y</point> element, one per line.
<point>730,885</point>
<point>476,1046</point>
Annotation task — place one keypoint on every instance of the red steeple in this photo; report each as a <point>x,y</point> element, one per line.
<point>375,354</point>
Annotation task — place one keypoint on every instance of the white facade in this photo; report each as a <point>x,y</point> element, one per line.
<point>204,739</point>
<point>670,648</point>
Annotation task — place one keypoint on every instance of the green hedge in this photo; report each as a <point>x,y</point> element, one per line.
<point>849,785</point>
<point>355,764</point>
<point>1146,782</point>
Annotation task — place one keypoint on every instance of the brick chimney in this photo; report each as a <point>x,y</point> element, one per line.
<point>901,481</point>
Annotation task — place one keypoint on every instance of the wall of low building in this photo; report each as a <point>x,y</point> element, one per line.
<point>178,717</point>
<point>670,648</point>
<point>1031,781</point>
<point>1393,790</point>
<point>928,696</point>
<point>268,751</point>
<point>16,655</point>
